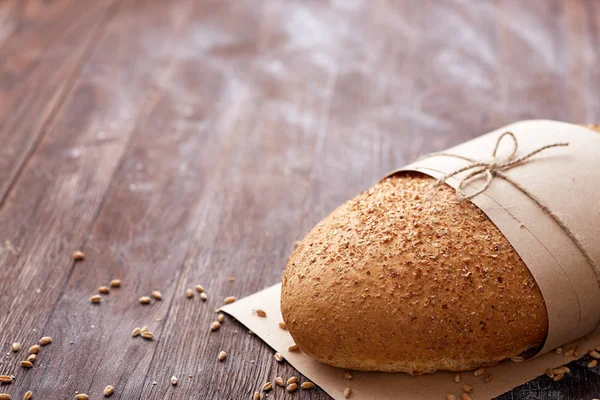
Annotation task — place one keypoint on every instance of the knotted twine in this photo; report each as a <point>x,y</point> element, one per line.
<point>495,168</point>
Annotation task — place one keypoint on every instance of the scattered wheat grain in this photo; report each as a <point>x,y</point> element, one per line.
<point>109,390</point>
<point>96,299</point>
<point>45,340</point>
<point>115,283</point>
<point>148,335</point>
<point>292,387</point>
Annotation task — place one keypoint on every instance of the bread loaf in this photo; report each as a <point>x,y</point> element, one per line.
<point>406,278</point>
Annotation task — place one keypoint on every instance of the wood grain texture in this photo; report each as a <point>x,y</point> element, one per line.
<point>42,47</point>
<point>188,142</point>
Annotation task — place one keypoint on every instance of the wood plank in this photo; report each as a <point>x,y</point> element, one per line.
<point>63,186</point>
<point>10,11</point>
<point>260,121</point>
<point>42,47</point>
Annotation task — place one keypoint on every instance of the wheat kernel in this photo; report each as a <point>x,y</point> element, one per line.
<point>592,364</point>
<point>457,378</point>
<point>174,380</point>
<point>15,347</point>
<point>261,313</point>
<point>221,318</point>
<point>31,358</point>
<point>96,299</point>
<point>215,325</point>
<point>293,379</point>
<point>203,296</point>
<point>136,332</point>
<point>109,390</point>
<point>82,396</point>
<point>79,255</point>
<point>222,356</point>
<point>103,290</point>
<point>347,393</point>
<point>292,387</point>
<point>279,381</point>
<point>283,326</point>
<point>229,300</point>
<point>26,364</point>
<point>307,385</point>
<point>278,357</point>
<point>479,371</point>
<point>189,293</point>
<point>115,283</point>
<point>267,386</point>
<point>34,349</point>
<point>450,396</point>
<point>157,295</point>
<point>199,288</point>
<point>465,396</point>
<point>256,396</point>
<point>45,340</point>
<point>148,335</point>
<point>4,396</point>
<point>6,379</point>
<point>594,354</point>
<point>347,376</point>
<point>467,389</point>
<point>28,395</point>
<point>294,347</point>
<point>145,300</point>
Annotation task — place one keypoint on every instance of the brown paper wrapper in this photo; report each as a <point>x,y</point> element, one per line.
<point>565,180</point>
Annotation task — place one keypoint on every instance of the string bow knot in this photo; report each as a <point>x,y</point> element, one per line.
<point>490,169</point>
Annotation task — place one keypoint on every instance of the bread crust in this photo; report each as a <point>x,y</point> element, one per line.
<point>406,278</point>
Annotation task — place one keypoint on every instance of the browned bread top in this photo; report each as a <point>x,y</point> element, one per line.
<point>406,278</point>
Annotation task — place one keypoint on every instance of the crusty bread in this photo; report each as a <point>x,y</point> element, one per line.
<point>406,278</point>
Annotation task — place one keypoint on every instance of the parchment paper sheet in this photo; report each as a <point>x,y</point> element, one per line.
<point>388,386</point>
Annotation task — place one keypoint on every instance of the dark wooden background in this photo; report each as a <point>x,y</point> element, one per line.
<point>181,142</point>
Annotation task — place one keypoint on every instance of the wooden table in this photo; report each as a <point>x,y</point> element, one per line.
<point>183,142</point>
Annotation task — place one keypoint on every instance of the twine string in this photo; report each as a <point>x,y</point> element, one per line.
<point>496,168</point>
